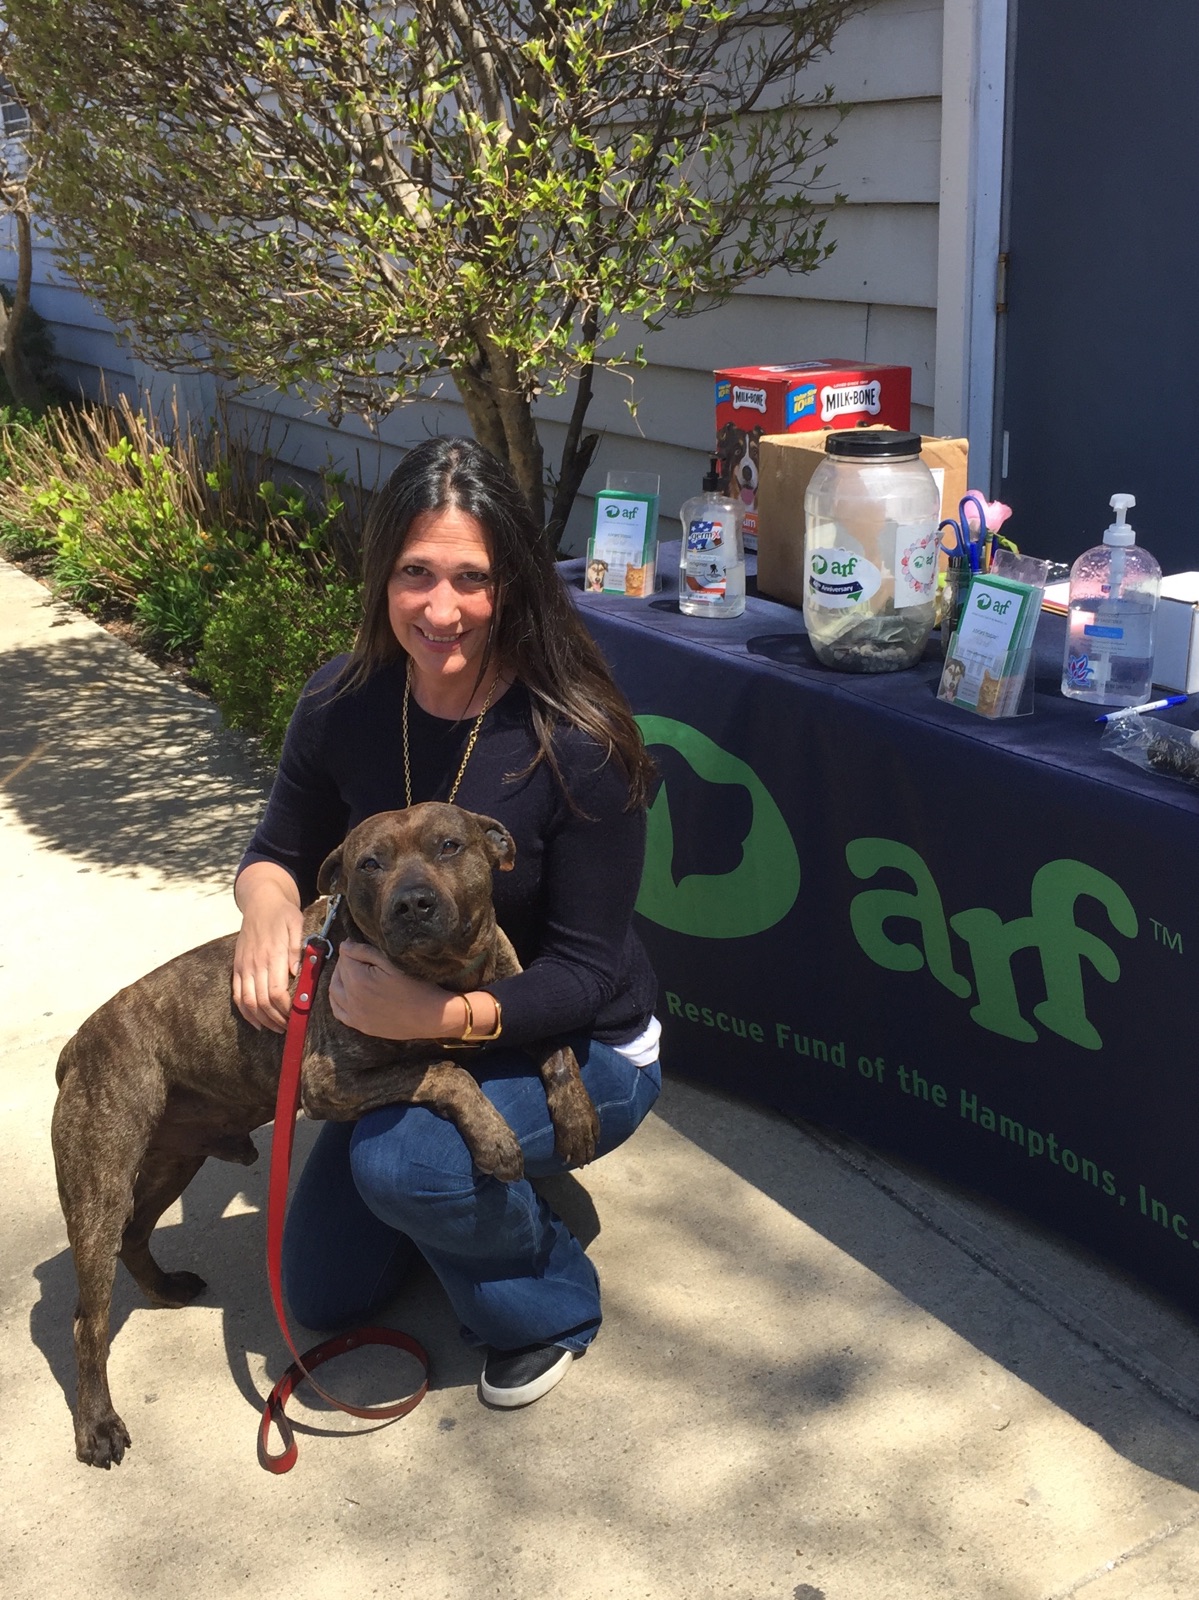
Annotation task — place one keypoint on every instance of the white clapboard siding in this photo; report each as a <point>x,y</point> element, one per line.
<point>873,300</point>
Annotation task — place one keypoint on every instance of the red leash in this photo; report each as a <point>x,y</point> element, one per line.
<point>316,952</point>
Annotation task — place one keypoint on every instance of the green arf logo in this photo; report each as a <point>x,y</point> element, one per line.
<point>1051,930</point>
<point>730,905</point>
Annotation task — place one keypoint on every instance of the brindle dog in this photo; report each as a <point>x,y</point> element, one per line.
<point>168,1072</point>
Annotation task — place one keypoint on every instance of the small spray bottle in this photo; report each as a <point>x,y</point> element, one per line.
<point>712,558</point>
<point>1112,609</point>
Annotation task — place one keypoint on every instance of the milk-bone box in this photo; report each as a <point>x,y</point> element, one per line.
<point>795,398</point>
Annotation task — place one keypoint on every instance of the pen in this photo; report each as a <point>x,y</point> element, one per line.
<point>1151,705</point>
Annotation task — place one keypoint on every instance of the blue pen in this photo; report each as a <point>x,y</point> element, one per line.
<point>1151,705</point>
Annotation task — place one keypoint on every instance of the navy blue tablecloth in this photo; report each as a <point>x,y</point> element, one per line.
<point>964,941</point>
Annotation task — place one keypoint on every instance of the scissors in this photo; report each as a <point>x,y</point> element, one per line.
<point>965,545</point>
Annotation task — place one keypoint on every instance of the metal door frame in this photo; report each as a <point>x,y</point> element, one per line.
<point>978,39</point>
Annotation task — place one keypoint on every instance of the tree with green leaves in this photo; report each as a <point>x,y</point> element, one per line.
<point>348,198</point>
<point>22,382</point>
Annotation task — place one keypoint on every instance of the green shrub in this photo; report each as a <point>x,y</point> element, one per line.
<point>186,539</point>
<point>270,630</point>
<point>18,539</point>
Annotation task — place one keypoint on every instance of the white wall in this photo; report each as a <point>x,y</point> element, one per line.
<point>874,300</point>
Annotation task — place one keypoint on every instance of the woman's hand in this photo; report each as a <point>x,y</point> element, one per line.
<point>370,994</point>
<point>267,956</point>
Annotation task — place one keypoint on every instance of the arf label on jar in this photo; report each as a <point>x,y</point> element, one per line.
<point>915,565</point>
<point>838,578</point>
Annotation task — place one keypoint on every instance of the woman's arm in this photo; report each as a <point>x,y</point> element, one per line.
<point>591,876</point>
<point>304,819</point>
<point>267,956</point>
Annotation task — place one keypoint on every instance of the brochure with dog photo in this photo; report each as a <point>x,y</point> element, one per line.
<point>620,553</point>
<point>989,655</point>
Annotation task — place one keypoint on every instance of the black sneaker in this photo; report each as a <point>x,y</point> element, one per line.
<point>518,1377</point>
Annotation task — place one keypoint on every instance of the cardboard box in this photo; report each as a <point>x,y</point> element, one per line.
<point>787,463</point>
<point>1176,634</point>
<point>801,397</point>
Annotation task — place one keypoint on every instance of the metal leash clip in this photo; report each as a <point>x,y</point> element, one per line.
<point>321,936</point>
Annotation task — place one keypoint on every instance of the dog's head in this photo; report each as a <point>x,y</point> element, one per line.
<point>596,572</point>
<point>738,451</point>
<point>418,883</point>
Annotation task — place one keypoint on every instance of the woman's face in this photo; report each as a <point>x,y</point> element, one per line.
<point>441,598</point>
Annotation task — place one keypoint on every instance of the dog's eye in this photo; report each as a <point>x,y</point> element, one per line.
<point>450,847</point>
<point>370,864</point>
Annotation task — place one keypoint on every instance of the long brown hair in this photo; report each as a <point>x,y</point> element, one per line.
<point>536,633</point>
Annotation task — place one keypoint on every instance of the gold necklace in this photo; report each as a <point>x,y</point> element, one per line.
<point>470,743</point>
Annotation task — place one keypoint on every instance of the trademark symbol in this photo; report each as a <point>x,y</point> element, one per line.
<point>1172,941</point>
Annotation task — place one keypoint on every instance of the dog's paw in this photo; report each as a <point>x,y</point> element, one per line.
<point>174,1289</point>
<point>576,1124</point>
<point>102,1442</point>
<point>499,1156</point>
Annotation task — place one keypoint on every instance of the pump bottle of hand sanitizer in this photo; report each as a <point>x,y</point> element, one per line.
<point>712,558</point>
<point>1113,604</point>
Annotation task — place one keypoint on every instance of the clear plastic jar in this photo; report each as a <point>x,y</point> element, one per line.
<point>870,552</point>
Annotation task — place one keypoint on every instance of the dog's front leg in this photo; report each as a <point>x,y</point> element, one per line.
<point>576,1123</point>
<point>336,1091</point>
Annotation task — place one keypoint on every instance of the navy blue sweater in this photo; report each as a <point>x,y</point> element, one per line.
<point>568,904</point>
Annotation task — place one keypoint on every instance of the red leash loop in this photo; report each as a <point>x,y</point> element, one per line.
<point>287,1103</point>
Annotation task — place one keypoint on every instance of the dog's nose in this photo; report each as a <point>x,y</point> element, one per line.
<point>414,902</point>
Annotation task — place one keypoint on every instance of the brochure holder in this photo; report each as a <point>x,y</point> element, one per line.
<point>623,549</point>
<point>987,666</point>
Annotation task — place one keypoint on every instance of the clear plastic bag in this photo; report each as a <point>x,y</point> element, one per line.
<point>1153,745</point>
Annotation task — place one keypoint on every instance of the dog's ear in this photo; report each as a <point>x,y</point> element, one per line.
<point>328,878</point>
<point>501,846</point>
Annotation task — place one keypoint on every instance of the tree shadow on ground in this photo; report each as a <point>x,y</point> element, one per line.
<point>105,758</point>
<point>228,1251</point>
<point>1051,1348</point>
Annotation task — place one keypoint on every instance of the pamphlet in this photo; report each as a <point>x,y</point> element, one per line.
<point>622,549</point>
<point>988,658</point>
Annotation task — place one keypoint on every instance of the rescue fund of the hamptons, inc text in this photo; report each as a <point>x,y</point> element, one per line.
<point>960,1104</point>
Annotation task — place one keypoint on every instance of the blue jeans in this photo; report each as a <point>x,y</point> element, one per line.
<point>374,1192</point>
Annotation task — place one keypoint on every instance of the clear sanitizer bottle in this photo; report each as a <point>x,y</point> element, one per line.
<point>1113,605</point>
<point>712,558</point>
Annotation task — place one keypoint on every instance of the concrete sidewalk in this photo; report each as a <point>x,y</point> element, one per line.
<point>820,1377</point>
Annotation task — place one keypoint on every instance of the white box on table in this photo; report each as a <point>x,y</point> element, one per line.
<point>1176,634</point>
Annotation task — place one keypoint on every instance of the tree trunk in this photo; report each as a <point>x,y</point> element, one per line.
<point>514,406</point>
<point>22,386</point>
<point>501,418</point>
<point>577,450</point>
<point>474,387</point>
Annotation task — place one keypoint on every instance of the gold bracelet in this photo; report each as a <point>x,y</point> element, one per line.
<point>484,1038</point>
<point>468,1027</point>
